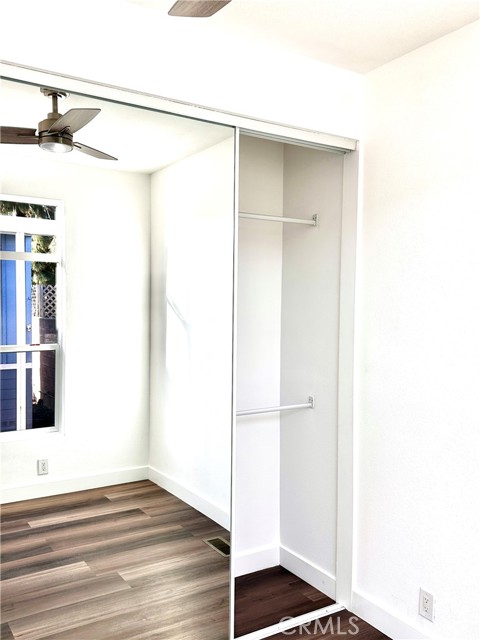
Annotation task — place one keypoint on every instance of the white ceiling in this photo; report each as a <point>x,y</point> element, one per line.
<point>103,38</point>
<point>359,35</point>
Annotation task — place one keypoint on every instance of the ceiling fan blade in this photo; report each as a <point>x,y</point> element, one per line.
<point>74,120</point>
<point>197,8</point>
<point>92,152</point>
<point>17,135</point>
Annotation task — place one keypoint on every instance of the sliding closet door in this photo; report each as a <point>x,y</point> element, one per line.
<point>192,294</point>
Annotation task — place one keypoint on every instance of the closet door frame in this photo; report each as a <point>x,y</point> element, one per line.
<point>346,378</point>
<point>345,398</point>
<point>287,134</point>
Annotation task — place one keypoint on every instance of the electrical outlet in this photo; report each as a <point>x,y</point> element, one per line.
<point>42,467</point>
<point>425,607</point>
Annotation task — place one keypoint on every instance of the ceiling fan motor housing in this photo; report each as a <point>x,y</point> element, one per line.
<point>61,141</point>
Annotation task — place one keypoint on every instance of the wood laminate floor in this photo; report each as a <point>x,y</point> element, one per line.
<point>266,597</point>
<point>126,562</point>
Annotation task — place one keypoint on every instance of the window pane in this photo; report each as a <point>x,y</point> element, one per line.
<point>28,394</point>
<point>7,242</point>
<point>43,292</point>
<point>35,373</point>
<point>42,328</point>
<point>8,293</point>
<point>40,244</point>
<point>42,394</point>
<point>8,398</point>
<point>40,302</point>
<point>38,324</point>
<point>25,210</point>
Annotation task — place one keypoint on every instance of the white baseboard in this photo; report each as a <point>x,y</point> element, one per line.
<point>383,620</point>
<point>65,484</point>
<point>195,500</point>
<point>255,560</point>
<point>308,571</point>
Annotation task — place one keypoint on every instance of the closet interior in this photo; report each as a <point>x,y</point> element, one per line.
<point>289,241</point>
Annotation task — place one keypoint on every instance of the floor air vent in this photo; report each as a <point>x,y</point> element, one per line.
<point>220,545</point>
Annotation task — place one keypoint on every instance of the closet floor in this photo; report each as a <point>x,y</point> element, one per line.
<point>265,597</point>
<point>118,563</point>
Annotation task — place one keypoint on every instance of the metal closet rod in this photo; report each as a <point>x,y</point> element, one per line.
<point>287,407</point>
<point>260,216</point>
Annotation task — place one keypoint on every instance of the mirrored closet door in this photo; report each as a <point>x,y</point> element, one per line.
<point>146,346</point>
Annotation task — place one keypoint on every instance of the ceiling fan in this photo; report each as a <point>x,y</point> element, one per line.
<point>197,8</point>
<point>55,133</point>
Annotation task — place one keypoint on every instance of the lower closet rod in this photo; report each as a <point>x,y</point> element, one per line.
<point>307,405</point>
<point>261,216</point>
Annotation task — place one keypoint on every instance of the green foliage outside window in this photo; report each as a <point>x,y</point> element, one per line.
<point>42,272</point>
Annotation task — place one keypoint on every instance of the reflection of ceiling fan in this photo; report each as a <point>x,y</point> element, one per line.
<point>197,8</point>
<point>55,133</point>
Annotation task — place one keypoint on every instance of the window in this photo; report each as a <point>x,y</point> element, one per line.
<point>30,313</point>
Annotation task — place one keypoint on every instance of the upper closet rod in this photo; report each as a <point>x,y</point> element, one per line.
<point>307,405</point>
<point>260,216</point>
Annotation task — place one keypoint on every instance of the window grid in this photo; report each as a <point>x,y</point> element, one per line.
<point>29,365</point>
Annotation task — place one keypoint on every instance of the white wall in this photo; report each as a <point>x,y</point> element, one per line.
<point>105,437</point>
<point>191,350</point>
<point>310,306</point>
<point>418,374</point>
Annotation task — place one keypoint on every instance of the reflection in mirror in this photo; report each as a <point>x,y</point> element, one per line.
<point>145,357</point>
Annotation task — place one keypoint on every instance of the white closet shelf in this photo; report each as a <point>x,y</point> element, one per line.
<point>261,216</point>
<point>310,404</point>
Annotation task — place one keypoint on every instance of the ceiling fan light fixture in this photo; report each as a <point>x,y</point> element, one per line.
<point>56,144</point>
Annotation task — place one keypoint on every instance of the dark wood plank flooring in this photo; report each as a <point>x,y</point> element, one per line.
<point>118,563</point>
<point>266,597</point>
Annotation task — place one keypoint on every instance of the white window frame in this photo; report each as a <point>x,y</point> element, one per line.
<point>20,227</point>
